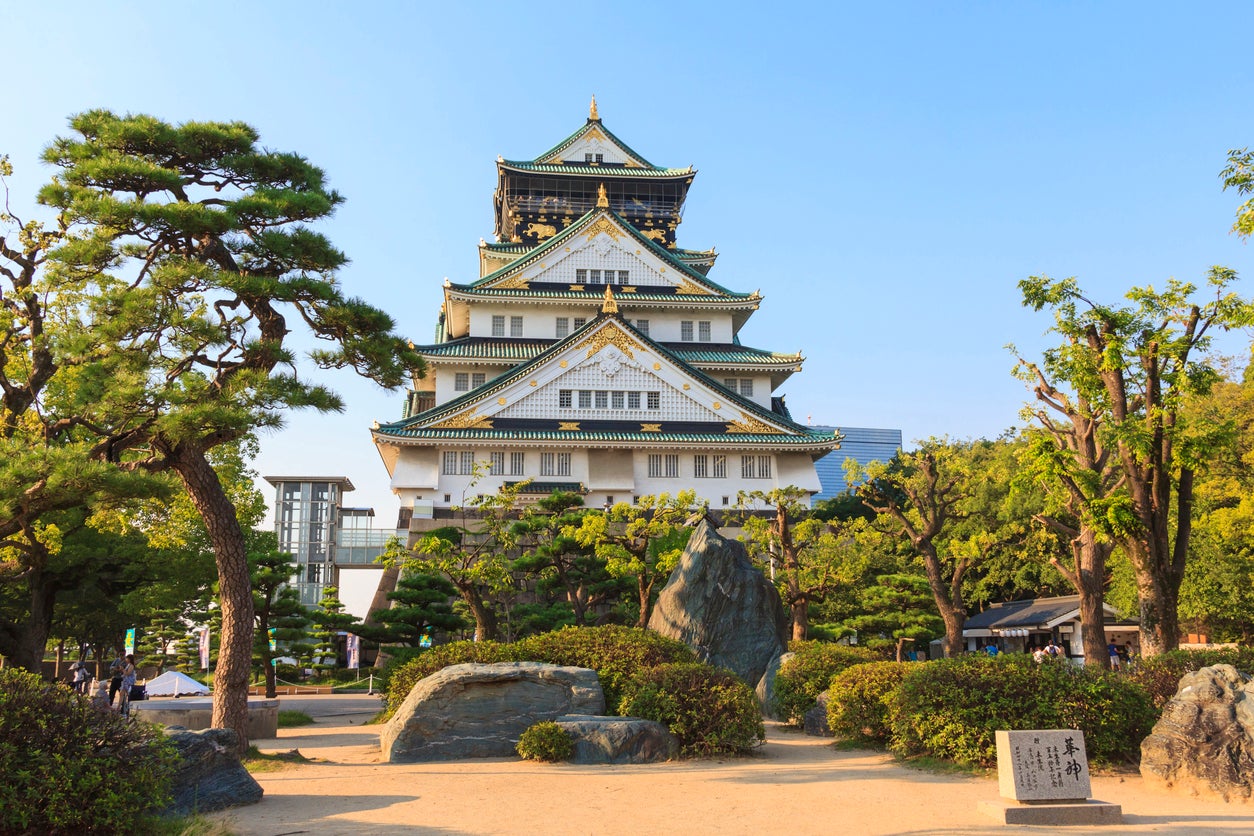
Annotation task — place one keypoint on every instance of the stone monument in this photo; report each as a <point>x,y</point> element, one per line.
<point>1044,774</point>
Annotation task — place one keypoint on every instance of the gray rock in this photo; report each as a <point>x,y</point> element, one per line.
<point>480,711</point>
<point>765,692</point>
<point>210,775</point>
<point>815,719</point>
<point>618,739</point>
<point>722,607</point>
<point>1204,742</point>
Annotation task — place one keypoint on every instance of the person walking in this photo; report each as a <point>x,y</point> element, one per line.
<point>115,678</point>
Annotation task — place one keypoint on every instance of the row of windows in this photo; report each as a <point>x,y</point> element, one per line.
<point>515,326</point>
<point>606,399</point>
<point>464,381</point>
<point>595,277</point>
<point>661,465</point>
<point>564,323</point>
<point>703,330</point>
<point>666,465</point>
<point>463,463</point>
<point>743,385</point>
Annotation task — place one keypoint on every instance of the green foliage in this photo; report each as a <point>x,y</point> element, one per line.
<point>1160,676</point>
<point>951,708</point>
<point>858,701</point>
<point>331,620</point>
<point>545,741</point>
<point>807,674</point>
<point>70,767</point>
<point>616,653</point>
<point>896,606</point>
<point>710,711</point>
<point>1239,175</point>
<point>291,719</point>
<point>420,607</point>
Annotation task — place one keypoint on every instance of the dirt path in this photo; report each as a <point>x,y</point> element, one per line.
<point>795,785</point>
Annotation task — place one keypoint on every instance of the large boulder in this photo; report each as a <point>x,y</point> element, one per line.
<point>815,720</point>
<point>765,692</point>
<point>1204,742</point>
<point>480,711</point>
<point>721,606</point>
<point>210,775</point>
<point>618,739</point>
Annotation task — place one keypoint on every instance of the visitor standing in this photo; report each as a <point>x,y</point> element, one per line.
<point>1113,650</point>
<point>128,682</point>
<point>80,676</point>
<point>115,677</point>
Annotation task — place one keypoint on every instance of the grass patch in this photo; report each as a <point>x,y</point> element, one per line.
<point>186,826</point>
<point>939,766</point>
<point>292,719</point>
<point>849,744</point>
<point>257,761</point>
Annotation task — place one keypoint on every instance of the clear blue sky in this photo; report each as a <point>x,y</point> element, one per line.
<point>884,172</point>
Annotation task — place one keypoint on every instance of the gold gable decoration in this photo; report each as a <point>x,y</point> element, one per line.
<point>603,199</point>
<point>515,282</point>
<point>611,336</point>
<point>610,305</point>
<point>688,286</point>
<point>465,421</point>
<point>749,424</point>
<point>603,225</point>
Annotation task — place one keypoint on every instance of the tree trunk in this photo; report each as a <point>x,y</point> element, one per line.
<point>800,608</point>
<point>235,592</point>
<point>1091,574</point>
<point>1160,625</point>
<point>951,611</point>
<point>644,592</point>
<point>486,628</point>
<point>24,644</point>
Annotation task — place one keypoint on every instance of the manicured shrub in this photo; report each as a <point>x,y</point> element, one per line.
<point>545,741</point>
<point>710,711</point>
<point>807,674</point>
<point>403,679</point>
<point>69,767</point>
<point>857,701</point>
<point>951,708</point>
<point>1160,675</point>
<point>616,653</point>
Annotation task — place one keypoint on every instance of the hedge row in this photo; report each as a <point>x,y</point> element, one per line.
<point>808,672</point>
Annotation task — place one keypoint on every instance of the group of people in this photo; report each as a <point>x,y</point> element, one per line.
<point>117,688</point>
<point>1052,650</point>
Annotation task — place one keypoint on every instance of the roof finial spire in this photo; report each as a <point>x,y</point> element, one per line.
<point>592,111</point>
<point>603,199</point>
<point>611,305</point>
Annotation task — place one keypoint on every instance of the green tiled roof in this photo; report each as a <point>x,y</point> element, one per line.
<point>574,229</point>
<point>806,439</point>
<point>605,171</point>
<point>597,292</point>
<point>481,348</point>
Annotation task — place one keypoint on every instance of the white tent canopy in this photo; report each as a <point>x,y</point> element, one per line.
<point>173,682</point>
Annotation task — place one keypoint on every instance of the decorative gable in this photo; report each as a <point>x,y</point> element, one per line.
<point>604,243</point>
<point>594,146</point>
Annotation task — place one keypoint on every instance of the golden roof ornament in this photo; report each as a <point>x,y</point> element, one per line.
<point>592,111</point>
<point>603,199</point>
<point>611,304</point>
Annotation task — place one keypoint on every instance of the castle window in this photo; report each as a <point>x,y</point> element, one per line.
<point>563,326</point>
<point>685,330</point>
<point>633,400</point>
<point>622,277</point>
<point>564,398</point>
<point>516,463</point>
<point>700,467</point>
<point>585,399</point>
<point>496,465</point>
<point>655,400</point>
<point>602,399</point>
<point>546,464</point>
<point>672,466</point>
<point>746,386</point>
<point>498,325</point>
<point>477,379</point>
<point>655,466</point>
<point>764,467</point>
<point>581,277</point>
<point>720,467</point>
<point>461,382</point>
<point>578,322</point>
<point>555,464</point>
<point>563,464</point>
<point>515,326</point>
<point>703,331</point>
<point>594,277</point>
<point>642,325</point>
<point>616,400</point>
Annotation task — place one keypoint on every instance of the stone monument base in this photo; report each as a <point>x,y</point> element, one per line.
<point>1054,815</point>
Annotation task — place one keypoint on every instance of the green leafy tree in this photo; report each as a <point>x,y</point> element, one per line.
<point>1239,175</point>
<point>330,620</point>
<point>421,606</point>
<point>190,249</point>
<point>642,542</point>
<point>922,496</point>
<point>1134,367</point>
<point>897,609</point>
<point>276,604</point>
<point>557,562</point>
<point>803,554</point>
<point>473,556</point>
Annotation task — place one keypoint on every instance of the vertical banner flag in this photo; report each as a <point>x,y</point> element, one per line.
<point>274,644</point>
<point>130,641</point>
<point>354,652</point>
<point>204,648</point>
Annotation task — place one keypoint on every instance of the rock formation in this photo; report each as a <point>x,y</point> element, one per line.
<point>480,711</point>
<point>722,607</point>
<point>618,739</point>
<point>210,775</point>
<point>1204,742</point>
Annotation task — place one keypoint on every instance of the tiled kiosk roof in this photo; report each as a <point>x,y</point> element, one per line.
<point>1041,613</point>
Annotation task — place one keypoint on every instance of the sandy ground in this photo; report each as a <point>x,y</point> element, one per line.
<point>795,785</point>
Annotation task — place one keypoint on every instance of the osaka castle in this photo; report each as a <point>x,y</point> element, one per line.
<point>593,354</point>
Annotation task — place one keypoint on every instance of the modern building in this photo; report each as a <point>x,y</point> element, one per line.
<point>862,444</point>
<point>333,545</point>
<point>594,354</point>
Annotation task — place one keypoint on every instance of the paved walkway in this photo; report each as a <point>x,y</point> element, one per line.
<point>794,785</point>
